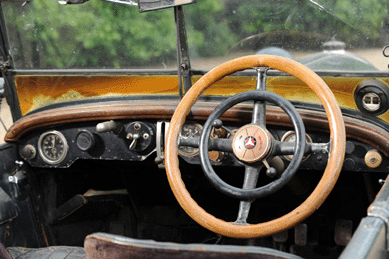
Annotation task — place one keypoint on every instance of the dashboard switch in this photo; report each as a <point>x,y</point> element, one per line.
<point>134,138</point>
<point>141,135</point>
<point>373,158</point>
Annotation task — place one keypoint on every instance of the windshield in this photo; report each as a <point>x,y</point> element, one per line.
<point>99,35</point>
<point>56,48</point>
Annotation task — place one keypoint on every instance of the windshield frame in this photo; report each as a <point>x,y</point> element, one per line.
<point>10,73</point>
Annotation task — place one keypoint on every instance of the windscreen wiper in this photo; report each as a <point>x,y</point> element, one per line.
<point>321,8</point>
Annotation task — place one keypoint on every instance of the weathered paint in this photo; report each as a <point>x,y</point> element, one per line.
<point>294,89</point>
<point>38,91</point>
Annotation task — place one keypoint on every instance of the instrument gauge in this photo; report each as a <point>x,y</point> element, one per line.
<point>52,147</point>
<point>190,130</point>
<point>290,136</point>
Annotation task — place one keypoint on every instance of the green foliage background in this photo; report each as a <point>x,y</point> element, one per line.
<point>45,34</point>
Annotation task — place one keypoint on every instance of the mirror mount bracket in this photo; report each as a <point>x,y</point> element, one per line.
<point>151,5</point>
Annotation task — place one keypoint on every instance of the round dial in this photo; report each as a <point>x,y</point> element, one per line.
<point>290,136</point>
<point>52,147</point>
<point>85,140</point>
<point>190,130</point>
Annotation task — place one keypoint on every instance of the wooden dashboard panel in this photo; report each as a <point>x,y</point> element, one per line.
<point>163,110</point>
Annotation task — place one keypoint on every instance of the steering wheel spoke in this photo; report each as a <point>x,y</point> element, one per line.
<point>259,110</point>
<point>218,144</point>
<point>288,148</point>
<point>251,175</point>
<point>252,144</point>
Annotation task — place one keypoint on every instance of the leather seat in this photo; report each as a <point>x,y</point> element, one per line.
<point>52,252</point>
<point>102,245</point>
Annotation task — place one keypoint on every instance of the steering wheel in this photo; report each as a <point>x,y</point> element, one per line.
<point>254,139</point>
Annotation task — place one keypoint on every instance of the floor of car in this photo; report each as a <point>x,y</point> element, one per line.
<point>134,200</point>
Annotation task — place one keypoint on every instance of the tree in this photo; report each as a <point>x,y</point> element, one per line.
<point>97,34</point>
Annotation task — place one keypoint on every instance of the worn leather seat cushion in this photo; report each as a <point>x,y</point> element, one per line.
<point>108,246</point>
<point>52,252</point>
<point>101,245</point>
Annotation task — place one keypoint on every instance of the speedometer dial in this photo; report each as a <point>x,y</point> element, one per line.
<point>190,130</point>
<point>52,147</point>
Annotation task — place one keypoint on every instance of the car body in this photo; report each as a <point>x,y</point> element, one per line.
<point>250,129</point>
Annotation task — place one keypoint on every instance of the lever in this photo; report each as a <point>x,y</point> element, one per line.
<point>271,171</point>
<point>134,138</point>
<point>218,124</point>
<point>109,126</point>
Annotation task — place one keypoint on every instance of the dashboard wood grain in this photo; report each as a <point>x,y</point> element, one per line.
<point>163,110</point>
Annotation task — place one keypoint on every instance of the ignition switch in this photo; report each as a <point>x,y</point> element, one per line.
<point>141,136</point>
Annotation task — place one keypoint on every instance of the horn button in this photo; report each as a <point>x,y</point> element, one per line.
<point>251,143</point>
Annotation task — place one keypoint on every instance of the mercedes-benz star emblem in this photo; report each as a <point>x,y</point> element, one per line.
<point>250,142</point>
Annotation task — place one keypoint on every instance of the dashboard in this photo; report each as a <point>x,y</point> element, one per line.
<point>137,140</point>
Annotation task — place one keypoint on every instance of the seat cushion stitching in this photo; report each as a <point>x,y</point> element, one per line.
<point>52,253</point>
<point>69,253</point>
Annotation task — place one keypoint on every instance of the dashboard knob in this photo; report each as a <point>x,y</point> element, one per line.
<point>217,124</point>
<point>216,156</point>
<point>28,152</point>
<point>349,164</point>
<point>373,159</point>
<point>85,140</point>
<point>350,147</point>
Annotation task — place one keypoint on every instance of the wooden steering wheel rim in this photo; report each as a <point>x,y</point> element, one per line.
<point>322,190</point>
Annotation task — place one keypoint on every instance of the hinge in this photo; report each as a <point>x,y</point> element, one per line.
<point>5,65</point>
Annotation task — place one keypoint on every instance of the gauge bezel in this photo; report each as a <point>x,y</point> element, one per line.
<point>288,134</point>
<point>42,154</point>
<point>186,154</point>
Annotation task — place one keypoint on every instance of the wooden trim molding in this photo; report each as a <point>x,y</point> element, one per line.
<point>163,110</point>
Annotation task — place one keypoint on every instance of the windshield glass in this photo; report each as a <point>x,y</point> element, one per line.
<point>328,35</point>
<point>47,35</point>
<point>336,35</point>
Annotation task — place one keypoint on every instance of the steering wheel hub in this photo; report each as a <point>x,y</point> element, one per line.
<point>251,143</point>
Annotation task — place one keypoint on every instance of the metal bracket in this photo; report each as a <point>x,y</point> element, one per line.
<point>18,182</point>
<point>4,65</point>
<point>162,128</point>
<point>65,2</point>
<point>380,208</point>
<point>383,214</point>
<point>183,60</point>
<point>128,3</point>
